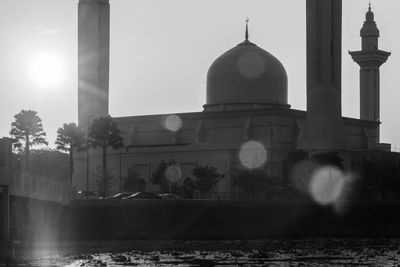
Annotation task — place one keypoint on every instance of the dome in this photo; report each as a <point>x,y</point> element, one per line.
<point>244,77</point>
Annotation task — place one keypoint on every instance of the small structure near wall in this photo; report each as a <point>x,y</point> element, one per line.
<point>7,248</point>
<point>5,212</point>
<point>28,203</point>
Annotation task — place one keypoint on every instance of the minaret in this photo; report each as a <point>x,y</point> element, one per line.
<point>370,58</point>
<point>93,60</point>
<point>323,129</point>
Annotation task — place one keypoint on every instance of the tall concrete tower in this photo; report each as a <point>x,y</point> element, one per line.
<point>93,60</point>
<point>370,58</point>
<point>323,128</point>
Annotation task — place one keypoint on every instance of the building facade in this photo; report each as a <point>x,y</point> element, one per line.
<point>246,121</point>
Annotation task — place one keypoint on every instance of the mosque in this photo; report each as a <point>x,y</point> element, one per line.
<point>246,121</point>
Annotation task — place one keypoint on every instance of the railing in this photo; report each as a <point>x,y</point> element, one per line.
<point>35,186</point>
<point>274,193</point>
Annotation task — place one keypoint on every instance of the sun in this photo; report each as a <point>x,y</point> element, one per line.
<point>47,70</point>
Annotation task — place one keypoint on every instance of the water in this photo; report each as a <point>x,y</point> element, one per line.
<point>269,252</point>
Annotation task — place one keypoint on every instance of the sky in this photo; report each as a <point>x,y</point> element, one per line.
<point>160,52</point>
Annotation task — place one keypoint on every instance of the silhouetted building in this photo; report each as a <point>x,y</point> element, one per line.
<point>247,121</point>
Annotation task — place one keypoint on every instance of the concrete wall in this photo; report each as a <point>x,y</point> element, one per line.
<point>32,219</point>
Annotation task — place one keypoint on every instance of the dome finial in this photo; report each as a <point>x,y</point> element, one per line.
<point>247,29</point>
<point>369,16</point>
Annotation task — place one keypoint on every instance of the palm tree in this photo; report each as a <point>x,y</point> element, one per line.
<point>69,138</point>
<point>207,178</point>
<point>27,130</point>
<point>104,133</point>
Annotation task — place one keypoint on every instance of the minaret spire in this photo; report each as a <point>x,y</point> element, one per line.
<point>247,29</point>
<point>370,58</point>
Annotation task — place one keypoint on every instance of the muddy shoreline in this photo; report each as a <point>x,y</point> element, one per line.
<point>274,252</point>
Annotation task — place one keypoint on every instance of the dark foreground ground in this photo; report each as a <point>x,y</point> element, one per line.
<point>266,252</point>
<point>227,233</point>
<point>194,220</point>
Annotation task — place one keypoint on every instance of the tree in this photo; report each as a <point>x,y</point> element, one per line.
<point>289,164</point>
<point>134,182</point>
<point>49,162</point>
<point>27,131</point>
<point>188,188</point>
<point>329,158</point>
<point>104,133</point>
<point>254,183</point>
<point>381,175</point>
<point>104,182</point>
<point>69,138</point>
<point>159,176</point>
<point>207,178</point>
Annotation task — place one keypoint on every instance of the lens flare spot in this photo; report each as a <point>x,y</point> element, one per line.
<point>173,173</point>
<point>326,185</point>
<point>251,65</point>
<point>172,123</point>
<point>252,154</point>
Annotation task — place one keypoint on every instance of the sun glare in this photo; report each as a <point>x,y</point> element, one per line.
<point>47,70</point>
